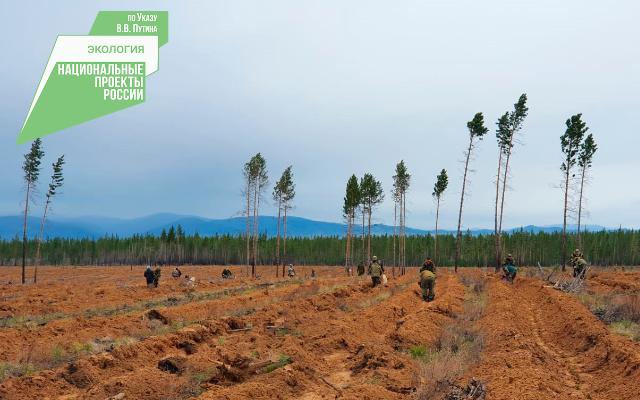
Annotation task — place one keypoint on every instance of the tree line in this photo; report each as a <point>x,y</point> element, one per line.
<point>362,197</point>
<point>620,247</point>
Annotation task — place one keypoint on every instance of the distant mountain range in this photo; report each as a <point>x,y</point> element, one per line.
<point>95,227</point>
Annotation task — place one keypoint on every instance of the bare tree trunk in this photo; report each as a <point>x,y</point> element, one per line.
<point>278,239</point>
<point>400,235</point>
<point>464,186</point>
<point>404,233</point>
<point>435,239</point>
<point>37,261</point>
<point>347,243</point>
<point>564,222</point>
<point>255,229</point>
<point>24,233</point>
<point>497,233</point>
<point>504,188</point>
<point>584,172</point>
<point>364,257</point>
<point>284,242</point>
<point>248,232</point>
<point>369,234</point>
<point>395,212</point>
<point>352,250</point>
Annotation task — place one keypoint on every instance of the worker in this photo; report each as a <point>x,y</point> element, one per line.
<point>579,268</point>
<point>227,274</point>
<point>148,274</point>
<point>428,282</point>
<point>290,271</point>
<point>509,268</point>
<point>577,254</point>
<point>176,273</point>
<point>376,270</point>
<point>156,276</point>
<point>428,264</point>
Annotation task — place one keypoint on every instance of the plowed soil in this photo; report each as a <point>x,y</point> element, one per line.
<point>100,333</point>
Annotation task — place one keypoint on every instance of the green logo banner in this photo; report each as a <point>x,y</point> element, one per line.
<point>90,76</point>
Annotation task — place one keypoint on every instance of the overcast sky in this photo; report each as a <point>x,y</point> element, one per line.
<point>336,88</point>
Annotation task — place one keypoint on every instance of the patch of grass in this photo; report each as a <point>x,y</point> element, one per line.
<point>82,348</point>
<point>418,352</point>
<point>372,301</point>
<point>284,360</point>
<point>221,340</point>
<point>241,312</point>
<point>619,311</point>
<point>285,331</point>
<point>30,321</point>
<point>58,354</point>
<point>11,370</point>
<point>627,328</point>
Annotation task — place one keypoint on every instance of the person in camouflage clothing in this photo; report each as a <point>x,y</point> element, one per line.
<point>376,271</point>
<point>428,280</point>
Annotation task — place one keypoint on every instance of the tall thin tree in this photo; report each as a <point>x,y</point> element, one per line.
<point>277,197</point>
<point>351,202</point>
<point>31,168</point>
<point>248,174</point>
<point>288,194</point>
<point>401,181</point>
<point>570,144</point>
<point>56,182</point>
<point>372,195</point>
<point>508,127</point>
<point>585,159</point>
<point>476,131</point>
<point>261,180</point>
<point>442,181</point>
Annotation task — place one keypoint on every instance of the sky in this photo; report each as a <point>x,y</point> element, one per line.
<point>336,88</point>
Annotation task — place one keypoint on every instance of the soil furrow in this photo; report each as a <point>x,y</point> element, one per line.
<point>543,344</point>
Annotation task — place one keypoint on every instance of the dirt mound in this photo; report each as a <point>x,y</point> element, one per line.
<point>544,344</point>
<point>155,315</point>
<point>172,365</point>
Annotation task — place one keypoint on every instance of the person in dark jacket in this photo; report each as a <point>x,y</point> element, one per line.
<point>509,269</point>
<point>428,265</point>
<point>148,274</point>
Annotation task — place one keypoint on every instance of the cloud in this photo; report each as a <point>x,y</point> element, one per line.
<point>338,88</point>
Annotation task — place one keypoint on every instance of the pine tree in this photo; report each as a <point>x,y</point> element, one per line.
<point>401,181</point>
<point>570,144</point>
<point>585,159</point>
<point>283,193</point>
<point>31,168</point>
<point>288,194</point>
<point>372,195</point>
<point>56,182</point>
<point>508,127</point>
<point>349,208</point>
<point>442,181</point>
<point>476,131</point>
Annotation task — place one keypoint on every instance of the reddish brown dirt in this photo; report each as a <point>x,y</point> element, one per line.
<point>342,338</point>
<point>614,282</point>
<point>544,344</point>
